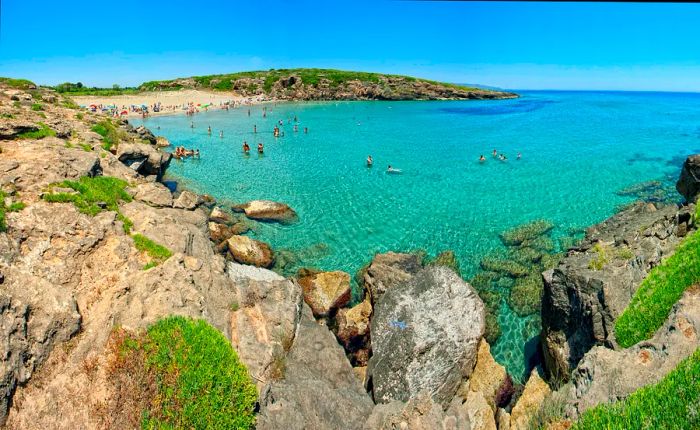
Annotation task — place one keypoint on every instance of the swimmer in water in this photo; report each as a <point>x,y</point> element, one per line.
<point>255,128</point>
<point>260,148</point>
<point>495,152</point>
<point>246,148</point>
<point>209,130</point>
<point>192,124</point>
<point>482,158</point>
<point>519,156</point>
<point>369,161</point>
<point>306,130</point>
<point>221,134</point>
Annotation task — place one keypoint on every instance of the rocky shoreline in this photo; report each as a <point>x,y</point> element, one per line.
<point>411,354</point>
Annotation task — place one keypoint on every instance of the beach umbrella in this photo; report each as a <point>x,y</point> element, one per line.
<point>124,112</point>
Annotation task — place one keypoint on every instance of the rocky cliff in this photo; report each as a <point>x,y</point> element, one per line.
<point>327,84</point>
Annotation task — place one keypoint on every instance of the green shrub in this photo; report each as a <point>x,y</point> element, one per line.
<point>181,373</point>
<point>37,107</point>
<point>529,231</point>
<point>13,207</point>
<point>158,253</point>
<point>22,84</point>
<point>600,257</point>
<point>672,403</point>
<point>86,147</point>
<point>44,131</point>
<point>659,291</point>
<point>110,136</point>
<point>92,193</point>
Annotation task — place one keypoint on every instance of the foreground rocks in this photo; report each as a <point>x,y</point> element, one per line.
<point>326,292</point>
<point>590,288</point>
<point>425,336</point>
<point>144,159</point>
<point>250,251</point>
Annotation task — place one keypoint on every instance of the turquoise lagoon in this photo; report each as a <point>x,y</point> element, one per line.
<point>578,149</point>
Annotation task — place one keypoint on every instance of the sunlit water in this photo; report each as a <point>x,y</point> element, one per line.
<point>578,149</point>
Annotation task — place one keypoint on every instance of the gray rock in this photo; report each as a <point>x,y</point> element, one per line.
<point>605,375</point>
<point>188,200</point>
<point>244,272</point>
<point>591,287</point>
<point>154,194</point>
<point>389,270</point>
<point>145,134</point>
<point>10,128</point>
<point>689,182</point>
<point>425,336</point>
<point>418,413</point>
<point>145,159</point>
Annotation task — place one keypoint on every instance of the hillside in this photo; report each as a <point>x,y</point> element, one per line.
<point>327,84</point>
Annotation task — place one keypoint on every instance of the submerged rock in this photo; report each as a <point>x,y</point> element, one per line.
<point>425,335</point>
<point>326,292</point>
<point>267,210</point>
<point>250,251</point>
<point>689,182</point>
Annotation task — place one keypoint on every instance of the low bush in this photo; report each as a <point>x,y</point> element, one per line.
<point>93,194</point>
<point>44,131</point>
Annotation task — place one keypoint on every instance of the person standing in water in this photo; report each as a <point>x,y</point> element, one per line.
<point>482,158</point>
<point>221,134</point>
<point>246,148</point>
<point>369,161</point>
<point>260,148</point>
<point>519,156</point>
<point>306,130</point>
<point>192,124</point>
<point>255,128</point>
<point>209,130</point>
<point>495,153</point>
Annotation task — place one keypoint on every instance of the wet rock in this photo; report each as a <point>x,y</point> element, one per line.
<point>532,397</point>
<point>589,289</point>
<point>689,182</point>
<point>326,292</point>
<point>162,142</point>
<point>353,330</point>
<point>187,200</point>
<point>219,232</point>
<point>425,336</point>
<point>144,159</point>
<point>154,194</point>
<point>250,251</point>
<point>389,270</point>
<point>267,210</point>
<point>220,216</point>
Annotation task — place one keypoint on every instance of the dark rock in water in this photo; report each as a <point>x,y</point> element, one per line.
<point>658,191</point>
<point>145,159</point>
<point>145,134</point>
<point>689,182</point>
<point>529,231</point>
<point>591,287</point>
<point>389,270</point>
<point>425,336</point>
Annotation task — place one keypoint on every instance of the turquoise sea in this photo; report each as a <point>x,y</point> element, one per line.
<point>578,150</point>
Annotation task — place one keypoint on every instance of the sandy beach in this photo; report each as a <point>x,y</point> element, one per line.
<point>172,102</point>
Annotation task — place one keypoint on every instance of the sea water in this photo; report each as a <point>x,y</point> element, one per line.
<point>578,149</point>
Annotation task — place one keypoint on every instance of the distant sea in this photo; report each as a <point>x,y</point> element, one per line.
<point>578,150</point>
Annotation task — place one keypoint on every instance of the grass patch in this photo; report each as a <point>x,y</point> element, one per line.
<point>110,136</point>
<point>158,253</point>
<point>672,403</point>
<point>93,194</point>
<point>127,224</point>
<point>4,209</point>
<point>37,107</point>
<point>44,131</point>
<point>86,147</point>
<point>180,373</point>
<point>600,257</point>
<point>21,84</point>
<point>6,116</point>
<point>660,290</point>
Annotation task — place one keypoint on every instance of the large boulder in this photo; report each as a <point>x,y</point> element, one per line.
<point>145,159</point>
<point>689,182</point>
<point>154,194</point>
<point>425,336</point>
<point>326,292</point>
<point>267,210</point>
<point>188,200</point>
<point>145,134</point>
<point>250,251</point>
<point>592,286</point>
<point>389,270</point>
<point>352,330</point>
<point>11,128</point>
<point>605,375</point>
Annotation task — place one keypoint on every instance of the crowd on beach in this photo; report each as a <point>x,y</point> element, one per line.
<point>145,110</point>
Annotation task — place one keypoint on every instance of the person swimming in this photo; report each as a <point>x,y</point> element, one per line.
<point>369,161</point>
<point>482,158</point>
<point>519,156</point>
<point>246,148</point>
<point>221,134</point>
<point>390,169</point>
<point>495,153</point>
<point>192,124</point>
<point>255,128</point>
<point>260,148</point>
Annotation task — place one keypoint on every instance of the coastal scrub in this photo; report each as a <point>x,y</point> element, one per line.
<point>157,253</point>
<point>673,403</point>
<point>44,131</point>
<point>4,208</point>
<point>92,194</point>
<point>180,373</point>
<point>110,136</point>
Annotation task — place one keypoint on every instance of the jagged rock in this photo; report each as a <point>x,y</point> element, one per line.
<point>689,182</point>
<point>487,378</point>
<point>481,414</point>
<point>389,270</point>
<point>605,375</point>
<point>425,336</point>
<point>592,286</point>
<point>35,316</point>
<point>145,134</point>
<point>144,159</point>
<point>267,210</point>
<point>353,330</point>
<point>250,251</point>
<point>154,194</point>
<point>220,216</point>
<point>11,128</point>
<point>244,272</point>
<point>418,413</point>
<point>317,388</point>
<point>187,200</point>
<point>532,397</point>
<point>503,419</point>
<point>326,292</point>
<point>219,232</point>
<point>162,142</point>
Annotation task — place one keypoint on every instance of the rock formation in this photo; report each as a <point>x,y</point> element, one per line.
<point>266,210</point>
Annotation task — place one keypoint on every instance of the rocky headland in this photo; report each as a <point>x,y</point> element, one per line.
<point>93,246</point>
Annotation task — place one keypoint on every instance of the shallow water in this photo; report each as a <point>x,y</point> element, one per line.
<point>578,149</point>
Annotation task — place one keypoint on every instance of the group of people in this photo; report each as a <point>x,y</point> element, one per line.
<point>389,169</point>
<point>501,157</point>
<point>246,148</point>
<point>181,152</point>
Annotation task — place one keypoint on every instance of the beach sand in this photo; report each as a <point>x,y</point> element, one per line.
<point>171,101</point>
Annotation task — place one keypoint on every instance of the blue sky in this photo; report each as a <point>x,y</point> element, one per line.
<point>619,46</point>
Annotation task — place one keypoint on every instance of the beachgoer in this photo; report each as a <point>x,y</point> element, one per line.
<point>369,161</point>
<point>192,124</point>
<point>209,130</point>
<point>221,134</point>
<point>248,112</point>
<point>196,153</point>
<point>296,128</point>
<point>260,148</point>
<point>255,128</point>
<point>495,152</point>
<point>519,156</point>
<point>482,158</point>
<point>306,129</point>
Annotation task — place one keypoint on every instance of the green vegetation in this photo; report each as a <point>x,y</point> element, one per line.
<point>78,89</point>
<point>503,264</point>
<point>37,107</point>
<point>673,403</point>
<point>600,257</point>
<point>70,104</point>
<point>526,295</point>
<point>447,259</point>
<point>44,131</point>
<point>86,147</point>
<point>93,194</point>
<point>6,115</point>
<point>180,373</point>
<point>109,133</point>
<point>157,253</point>
<point>4,209</point>
<point>659,291</point>
<point>21,84</point>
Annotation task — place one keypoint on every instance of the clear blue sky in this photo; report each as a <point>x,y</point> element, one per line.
<point>512,45</point>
